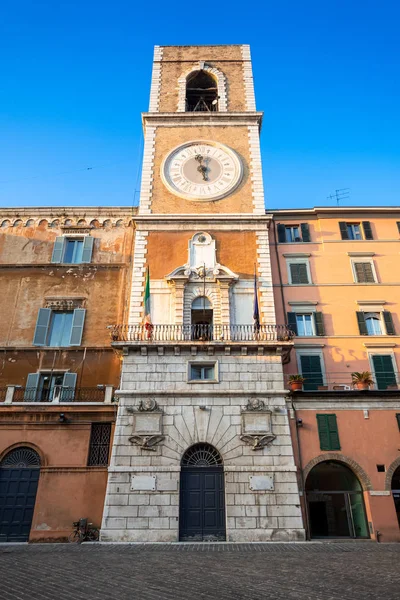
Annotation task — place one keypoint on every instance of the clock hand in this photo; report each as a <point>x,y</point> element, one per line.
<point>201,168</point>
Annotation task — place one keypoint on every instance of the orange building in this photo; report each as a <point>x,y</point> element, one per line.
<point>337,286</point>
<point>64,275</point>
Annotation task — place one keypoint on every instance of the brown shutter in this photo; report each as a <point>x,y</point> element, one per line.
<point>387,317</point>
<point>343,230</point>
<point>362,326</point>
<point>367,230</point>
<point>364,272</point>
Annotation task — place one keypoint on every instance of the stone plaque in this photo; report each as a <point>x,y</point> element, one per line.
<point>261,483</point>
<point>166,484</point>
<point>143,482</point>
<point>256,422</point>
<point>147,423</point>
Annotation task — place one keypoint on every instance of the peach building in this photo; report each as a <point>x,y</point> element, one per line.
<point>336,284</point>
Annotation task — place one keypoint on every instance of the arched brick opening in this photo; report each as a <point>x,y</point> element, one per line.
<point>221,84</point>
<point>390,472</point>
<point>355,467</point>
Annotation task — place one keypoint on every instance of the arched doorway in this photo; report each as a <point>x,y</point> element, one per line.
<point>201,92</point>
<point>335,502</point>
<point>396,491</point>
<point>202,318</point>
<point>202,495</point>
<point>19,477</point>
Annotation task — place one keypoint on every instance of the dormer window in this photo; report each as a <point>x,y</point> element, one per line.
<point>201,92</point>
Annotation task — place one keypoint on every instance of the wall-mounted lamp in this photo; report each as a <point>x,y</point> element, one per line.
<point>299,422</point>
<point>101,386</point>
<point>62,418</point>
<point>202,407</point>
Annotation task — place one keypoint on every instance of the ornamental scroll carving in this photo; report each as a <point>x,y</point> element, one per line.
<point>147,424</point>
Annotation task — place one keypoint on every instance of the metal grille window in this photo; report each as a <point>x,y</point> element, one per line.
<point>99,444</point>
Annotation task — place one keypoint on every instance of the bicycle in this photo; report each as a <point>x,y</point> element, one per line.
<point>83,532</point>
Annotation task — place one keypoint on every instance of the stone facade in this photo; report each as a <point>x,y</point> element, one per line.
<point>202,412</point>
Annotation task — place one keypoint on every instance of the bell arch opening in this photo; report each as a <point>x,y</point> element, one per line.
<point>201,92</point>
<point>335,502</point>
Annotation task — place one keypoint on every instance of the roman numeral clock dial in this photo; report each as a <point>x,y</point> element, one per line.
<point>202,171</point>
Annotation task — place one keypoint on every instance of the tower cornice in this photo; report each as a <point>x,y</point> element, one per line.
<point>189,119</point>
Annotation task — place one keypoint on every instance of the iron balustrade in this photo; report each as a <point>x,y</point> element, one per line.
<point>65,394</point>
<point>340,381</point>
<point>200,333</point>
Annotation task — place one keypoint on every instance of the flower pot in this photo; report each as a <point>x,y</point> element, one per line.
<point>361,386</point>
<point>296,386</point>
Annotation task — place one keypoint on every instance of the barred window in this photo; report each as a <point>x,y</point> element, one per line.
<point>99,448</point>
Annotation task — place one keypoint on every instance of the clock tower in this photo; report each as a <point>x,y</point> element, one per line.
<point>202,448</point>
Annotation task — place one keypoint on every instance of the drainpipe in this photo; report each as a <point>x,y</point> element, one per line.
<point>302,482</point>
<point>279,270</point>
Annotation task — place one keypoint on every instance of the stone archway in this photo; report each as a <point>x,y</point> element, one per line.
<point>335,456</point>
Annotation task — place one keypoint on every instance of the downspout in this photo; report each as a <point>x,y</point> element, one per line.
<point>279,268</point>
<point>302,482</point>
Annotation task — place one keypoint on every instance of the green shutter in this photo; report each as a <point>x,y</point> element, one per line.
<point>312,371</point>
<point>87,249</point>
<point>387,317</point>
<point>367,230</point>
<point>384,371</point>
<point>58,250</point>
<point>362,326</point>
<point>398,225</point>
<point>319,323</point>
<point>42,327</point>
<point>364,272</point>
<point>77,327</point>
<point>292,323</point>
<point>343,230</point>
<point>68,387</point>
<point>281,233</point>
<point>328,432</point>
<point>31,388</point>
<point>298,273</point>
<point>305,232</point>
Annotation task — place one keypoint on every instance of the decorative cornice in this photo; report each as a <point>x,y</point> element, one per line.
<point>202,118</point>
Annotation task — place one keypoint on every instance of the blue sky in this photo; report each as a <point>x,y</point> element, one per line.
<point>75,77</point>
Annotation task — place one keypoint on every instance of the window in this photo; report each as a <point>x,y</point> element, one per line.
<point>59,328</point>
<point>298,271</point>
<point>72,250</point>
<point>50,387</point>
<point>293,233</point>
<point>311,369</point>
<point>370,323</point>
<point>202,372</point>
<point>306,324</point>
<point>364,272</point>
<point>398,420</point>
<point>384,371</point>
<point>99,447</point>
<point>355,231</point>
<point>328,432</point>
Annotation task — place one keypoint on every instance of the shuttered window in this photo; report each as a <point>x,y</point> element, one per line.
<point>305,232</point>
<point>298,273</point>
<point>364,272</point>
<point>367,230</point>
<point>59,328</point>
<point>328,432</point>
<point>99,447</point>
<point>311,369</point>
<point>398,226</point>
<point>388,319</point>
<point>398,420</point>
<point>384,371</point>
<point>72,250</point>
<point>291,233</point>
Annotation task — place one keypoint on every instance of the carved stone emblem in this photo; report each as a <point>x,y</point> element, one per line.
<point>254,404</point>
<point>256,424</point>
<point>258,442</point>
<point>147,424</point>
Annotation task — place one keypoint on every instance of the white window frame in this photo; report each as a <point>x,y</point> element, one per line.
<point>201,363</point>
<point>45,372</point>
<point>381,322</point>
<point>306,312</point>
<point>297,261</point>
<point>360,259</point>
<point>306,351</point>
<point>361,230</point>
<point>72,238</point>
<point>293,240</point>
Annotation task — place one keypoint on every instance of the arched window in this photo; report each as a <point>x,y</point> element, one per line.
<point>201,455</point>
<point>201,92</point>
<point>202,318</point>
<point>21,458</point>
<point>373,324</point>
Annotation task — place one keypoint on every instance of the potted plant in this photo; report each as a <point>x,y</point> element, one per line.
<point>362,381</point>
<point>296,382</point>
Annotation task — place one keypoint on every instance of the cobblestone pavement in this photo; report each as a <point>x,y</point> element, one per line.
<point>313,571</point>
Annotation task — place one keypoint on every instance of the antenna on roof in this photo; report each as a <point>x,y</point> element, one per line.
<point>342,194</point>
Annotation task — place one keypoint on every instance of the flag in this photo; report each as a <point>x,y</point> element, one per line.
<point>147,315</point>
<point>256,310</point>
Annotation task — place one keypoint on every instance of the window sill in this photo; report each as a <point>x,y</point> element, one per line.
<point>203,381</point>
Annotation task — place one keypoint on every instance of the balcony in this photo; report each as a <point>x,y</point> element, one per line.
<point>57,395</point>
<point>200,334</point>
<point>342,382</point>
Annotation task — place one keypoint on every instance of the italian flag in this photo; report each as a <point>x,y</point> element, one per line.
<point>147,316</point>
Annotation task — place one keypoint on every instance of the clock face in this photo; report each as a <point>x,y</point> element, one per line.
<point>202,171</point>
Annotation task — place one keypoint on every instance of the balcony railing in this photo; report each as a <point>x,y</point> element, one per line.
<point>342,381</point>
<point>201,333</point>
<point>63,394</point>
